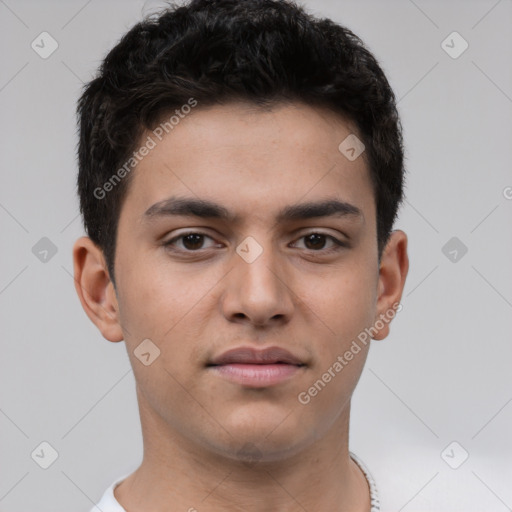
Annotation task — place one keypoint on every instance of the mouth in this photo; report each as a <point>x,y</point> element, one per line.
<point>256,368</point>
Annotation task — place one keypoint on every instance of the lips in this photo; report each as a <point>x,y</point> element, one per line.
<point>251,368</point>
<point>248,355</point>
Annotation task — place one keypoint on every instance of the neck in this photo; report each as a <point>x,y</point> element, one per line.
<point>321,476</point>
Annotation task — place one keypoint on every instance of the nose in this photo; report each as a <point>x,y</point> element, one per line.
<point>257,292</point>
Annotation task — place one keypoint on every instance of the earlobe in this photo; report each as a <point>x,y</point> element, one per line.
<point>95,289</point>
<point>393,271</point>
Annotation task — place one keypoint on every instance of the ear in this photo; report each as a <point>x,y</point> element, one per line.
<point>392,274</point>
<point>95,289</point>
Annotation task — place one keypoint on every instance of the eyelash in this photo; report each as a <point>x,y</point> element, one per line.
<point>339,245</point>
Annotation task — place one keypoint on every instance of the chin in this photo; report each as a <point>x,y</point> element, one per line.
<point>266,440</point>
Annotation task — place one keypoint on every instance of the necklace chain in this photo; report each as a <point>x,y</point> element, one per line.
<point>374,495</point>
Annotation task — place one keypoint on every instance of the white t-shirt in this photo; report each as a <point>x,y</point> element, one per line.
<point>108,502</point>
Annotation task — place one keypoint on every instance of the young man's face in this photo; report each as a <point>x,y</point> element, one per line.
<point>253,280</point>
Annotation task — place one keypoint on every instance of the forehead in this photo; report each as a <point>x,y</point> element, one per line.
<point>254,160</point>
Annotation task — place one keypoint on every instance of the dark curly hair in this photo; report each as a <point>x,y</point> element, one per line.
<point>217,51</point>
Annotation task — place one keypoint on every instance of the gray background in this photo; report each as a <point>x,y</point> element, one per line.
<point>443,375</point>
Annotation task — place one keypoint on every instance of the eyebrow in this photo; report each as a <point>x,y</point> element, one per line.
<point>205,209</point>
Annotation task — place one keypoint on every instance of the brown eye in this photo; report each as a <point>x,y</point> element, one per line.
<point>193,241</point>
<point>189,242</point>
<point>315,241</point>
<point>322,243</point>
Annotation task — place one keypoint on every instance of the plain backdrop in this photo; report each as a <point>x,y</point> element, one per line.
<point>436,391</point>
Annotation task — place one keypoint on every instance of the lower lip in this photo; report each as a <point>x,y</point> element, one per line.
<point>257,375</point>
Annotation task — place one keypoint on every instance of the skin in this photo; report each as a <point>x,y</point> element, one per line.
<point>195,305</point>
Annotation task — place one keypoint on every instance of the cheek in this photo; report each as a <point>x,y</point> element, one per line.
<point>329,389</point>
<point>153,297</point>
<point>345,302</point>
<point>156,305</point>
<point>167,306</point>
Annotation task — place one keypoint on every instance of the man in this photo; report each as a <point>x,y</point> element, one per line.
<point>240,172</point>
